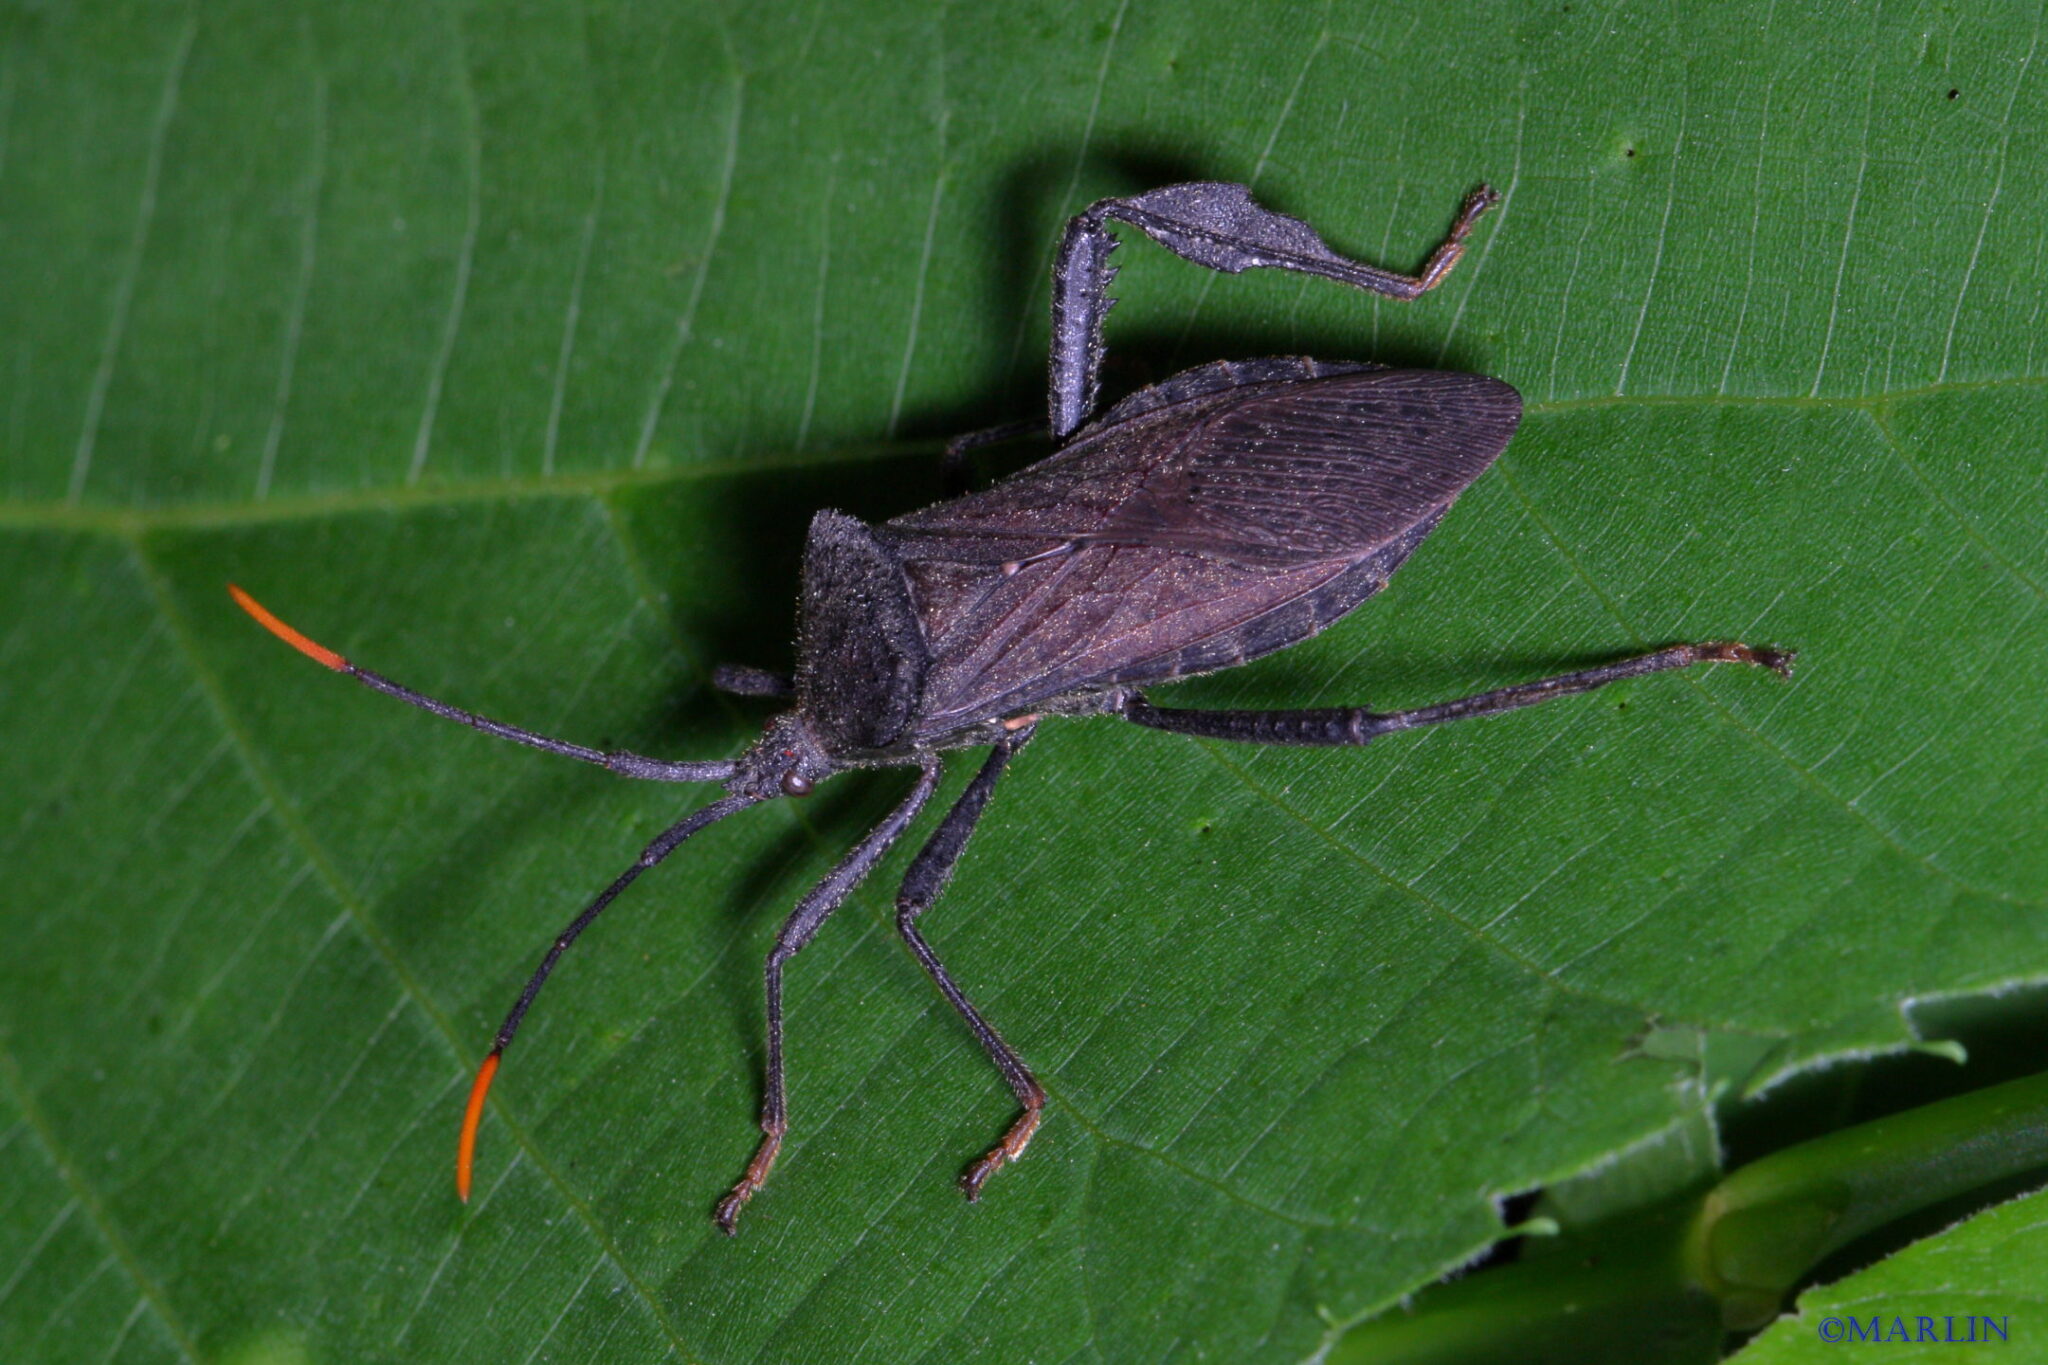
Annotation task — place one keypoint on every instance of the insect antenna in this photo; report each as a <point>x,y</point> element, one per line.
<point>625,764</point>
<point>668,841</point>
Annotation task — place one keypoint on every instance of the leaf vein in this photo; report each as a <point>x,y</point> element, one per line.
<point>131,265</point>
<point>451,327</point>
<point>686,321</point>
<point>1803,772</point>
<point>1990,204</point>
<point>295,830</point>
<point>84,1196</point>
<point>571,315</point>
<point>129,522</point>
<point>1663,234</point>
<point>302,286</point>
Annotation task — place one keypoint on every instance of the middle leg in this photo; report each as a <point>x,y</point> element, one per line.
<point>927,877</point>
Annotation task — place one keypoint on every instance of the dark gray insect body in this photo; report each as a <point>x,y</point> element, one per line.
<point>1191,530</point>
<point>1228,512</point>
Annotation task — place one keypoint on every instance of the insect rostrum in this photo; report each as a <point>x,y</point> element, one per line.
<point>1231,511</point>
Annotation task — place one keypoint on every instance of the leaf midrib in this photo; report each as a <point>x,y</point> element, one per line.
<point>129,521</point>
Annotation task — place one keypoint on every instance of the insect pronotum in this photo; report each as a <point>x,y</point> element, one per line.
<point>1228,512</point>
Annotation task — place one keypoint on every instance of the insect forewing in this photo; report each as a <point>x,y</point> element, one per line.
<point>1270,475</point>
<point>1190,537</point>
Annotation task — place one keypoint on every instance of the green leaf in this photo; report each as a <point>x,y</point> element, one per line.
<point>1977,1282</point>
<point>509,349</point>
<point>1769,1225</point>
<point>1667,1280</point>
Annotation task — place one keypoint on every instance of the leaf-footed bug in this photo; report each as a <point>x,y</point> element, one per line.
<point>1228,512</point>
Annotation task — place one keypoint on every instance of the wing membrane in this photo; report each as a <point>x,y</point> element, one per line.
<point>1190,537</point>
<point>1106,614</point>
<point>1271,475</point>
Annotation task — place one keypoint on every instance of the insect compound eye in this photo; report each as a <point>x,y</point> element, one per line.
<point>795,783</point>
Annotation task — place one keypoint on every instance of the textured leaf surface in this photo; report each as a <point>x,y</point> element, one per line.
<point>508,351</point>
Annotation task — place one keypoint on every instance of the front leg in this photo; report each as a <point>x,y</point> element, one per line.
<point>1212,224</point>
<point>927,877</point>
<point>1351,725</point>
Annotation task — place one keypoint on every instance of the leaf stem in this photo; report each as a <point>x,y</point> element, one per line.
<point>1666,1284</point>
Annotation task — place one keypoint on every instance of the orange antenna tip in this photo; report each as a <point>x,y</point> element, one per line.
<point>319,654</point>
<point>465,1152</point>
